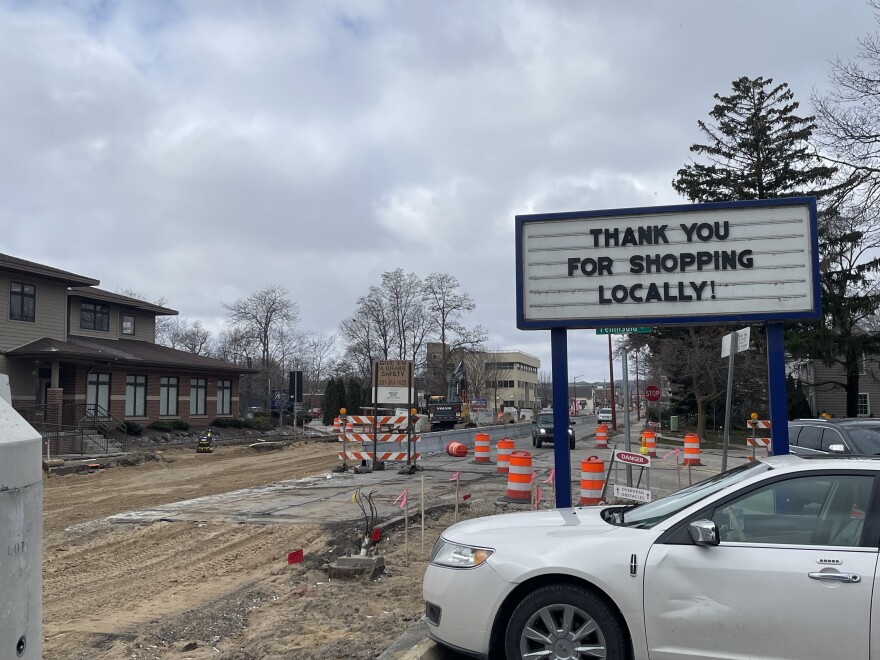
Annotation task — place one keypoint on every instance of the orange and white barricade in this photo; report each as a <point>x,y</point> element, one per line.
<point>482,448</point>
<point>336,426</point>
<point>602,436</point>
<point>692,449</point>
<point>457,449</point>
<point>505,446</point>
<point>382,456</point>
<point>592,480</point>
<point>649,443</point>
<point>519,477</point>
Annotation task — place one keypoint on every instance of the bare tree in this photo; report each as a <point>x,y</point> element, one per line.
<point>447,305</point>
<point>318,360</point>
<point>477,373</point>
<point>184,335</point>
<point>270,318</point>
<point>545,387</point>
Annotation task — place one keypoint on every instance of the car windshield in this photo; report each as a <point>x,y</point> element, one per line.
<point>545,419</point>
<point>645,516</point>
<point>866,439</point>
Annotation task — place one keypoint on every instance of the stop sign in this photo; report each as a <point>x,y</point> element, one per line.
<point>652,393</point>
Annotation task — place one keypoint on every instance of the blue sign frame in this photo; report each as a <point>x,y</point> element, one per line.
<point>522,220</point>
<point>774,322</point>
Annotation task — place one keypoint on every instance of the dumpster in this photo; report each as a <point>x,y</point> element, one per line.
<point>673,423</point>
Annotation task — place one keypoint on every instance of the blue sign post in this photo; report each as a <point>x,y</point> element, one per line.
<point>751,261</point>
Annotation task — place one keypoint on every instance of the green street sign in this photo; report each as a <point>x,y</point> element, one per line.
<point>635,330</point>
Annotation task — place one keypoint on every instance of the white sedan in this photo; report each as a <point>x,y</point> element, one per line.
<point>773,559</point>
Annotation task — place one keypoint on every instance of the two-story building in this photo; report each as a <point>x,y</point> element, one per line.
<point>72,350</point>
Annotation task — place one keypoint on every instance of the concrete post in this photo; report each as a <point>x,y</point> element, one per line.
<point>21,533</point>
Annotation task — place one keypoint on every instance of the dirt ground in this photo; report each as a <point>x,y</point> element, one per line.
<point>198,590</point>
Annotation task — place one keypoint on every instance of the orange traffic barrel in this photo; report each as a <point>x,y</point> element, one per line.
<point>692,449</point>
<point>505,446</point>
<point>519,478</point>
<point>649,443</point>
<point>336,425</point>
<point>602,436</point>
<point>592,480</point>
<point>457,449</point>
<point>481,448</point>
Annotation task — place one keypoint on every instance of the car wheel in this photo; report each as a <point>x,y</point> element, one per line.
<point>565,621</point>
<point>538,442</point>
<point>533,442</point>
<point>571,444</point>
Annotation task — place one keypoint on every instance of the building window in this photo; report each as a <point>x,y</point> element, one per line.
<point>127,324</point>
<point>224,397</point>
<point>98,394</point>
<point>168,396</point>
<point>22,301</point>
<point>135,396</point>
<point>94,316</point>
<point>198,390</point>
<point>864,404</point>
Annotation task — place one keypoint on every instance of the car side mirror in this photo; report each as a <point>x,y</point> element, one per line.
<point>703,532</point>
<point>837,449</point>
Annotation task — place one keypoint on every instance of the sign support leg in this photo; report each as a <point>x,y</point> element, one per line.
<point>561,455</point>
<point>776,377</point>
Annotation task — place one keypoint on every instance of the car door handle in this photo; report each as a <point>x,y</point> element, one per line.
<point>836,577</point>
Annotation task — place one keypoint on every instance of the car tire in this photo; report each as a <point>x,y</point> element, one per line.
<point>533,442</point>
<point>571,443</point>
<point>570,607</point>
<point>538,442</point>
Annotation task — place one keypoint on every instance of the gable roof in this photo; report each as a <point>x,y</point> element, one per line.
<point>25,267</point>
<point>124,352</point>
<point>94,293</point>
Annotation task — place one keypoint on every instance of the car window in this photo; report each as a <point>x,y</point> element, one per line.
<point>645,516</point>
<point>793,434</point>
<point>810,437</point>
<point>831,437</point>
<point>545,419</point>
<point>811,510</point>
<point>865,439</point>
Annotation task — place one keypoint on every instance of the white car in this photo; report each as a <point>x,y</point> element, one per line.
<point>773,559</point>
<point>604,415</point>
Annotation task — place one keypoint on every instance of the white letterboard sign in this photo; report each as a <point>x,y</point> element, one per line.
<point>676,265</point>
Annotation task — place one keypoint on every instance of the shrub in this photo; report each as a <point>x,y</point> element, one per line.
<point>161,425</point>
<point>221,423</point>
<point>258,423</point>
<point>133,428</point>
<point>179,425</point>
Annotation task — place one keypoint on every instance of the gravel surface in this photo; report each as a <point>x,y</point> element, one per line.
<point>217,590</point>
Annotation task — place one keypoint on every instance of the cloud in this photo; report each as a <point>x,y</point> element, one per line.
<point>200,150</point>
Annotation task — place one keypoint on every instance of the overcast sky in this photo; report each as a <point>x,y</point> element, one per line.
<point>198,151</point>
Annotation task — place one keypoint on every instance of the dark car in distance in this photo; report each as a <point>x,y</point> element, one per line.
<point>542,430</point>
<point>856,436</point>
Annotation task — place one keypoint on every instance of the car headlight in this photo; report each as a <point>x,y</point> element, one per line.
<point>571,431</point>
<point>542,431</point>
<point>455,555</point>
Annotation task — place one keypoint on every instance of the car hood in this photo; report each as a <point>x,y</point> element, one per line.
<point>575,541</point>
<point>495,529</point>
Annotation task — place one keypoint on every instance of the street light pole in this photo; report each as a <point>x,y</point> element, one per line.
<point>576,393</point>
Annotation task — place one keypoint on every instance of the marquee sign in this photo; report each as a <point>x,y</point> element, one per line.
<point>702,263</point>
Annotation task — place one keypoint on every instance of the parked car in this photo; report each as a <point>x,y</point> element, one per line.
<point>737,565</point>
<point>604,415</point>
<point>859,436</point>
<point>542,430</point>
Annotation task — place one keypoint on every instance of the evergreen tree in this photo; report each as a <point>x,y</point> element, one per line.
<point>342,395</point>
<point>355,396</point>
<point>847,332</point>
<point>798,406</point>
<point>331,402</point>
<point>757,148</point>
